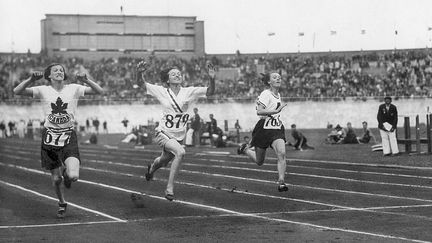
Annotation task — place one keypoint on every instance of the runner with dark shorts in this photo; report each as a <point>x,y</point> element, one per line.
<point>59,148</point>
<point>269,130</point>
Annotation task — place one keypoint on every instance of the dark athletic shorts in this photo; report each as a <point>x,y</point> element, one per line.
<point>53,156</point>
<point>263,138</point>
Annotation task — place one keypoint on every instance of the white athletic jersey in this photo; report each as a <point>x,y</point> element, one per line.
<point>59,107</point>
<point>270,102</point>
<point>175,116</point>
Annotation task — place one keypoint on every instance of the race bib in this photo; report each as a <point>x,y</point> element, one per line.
<point>59,139</point>
<point>273,122</point>
<point>176,121</point>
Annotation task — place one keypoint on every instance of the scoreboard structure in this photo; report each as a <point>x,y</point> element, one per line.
<point>104,36</point>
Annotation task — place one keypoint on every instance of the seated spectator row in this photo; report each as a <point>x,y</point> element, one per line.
<point>326,76</point>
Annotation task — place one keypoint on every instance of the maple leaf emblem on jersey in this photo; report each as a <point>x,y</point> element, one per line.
<point>59,107</point>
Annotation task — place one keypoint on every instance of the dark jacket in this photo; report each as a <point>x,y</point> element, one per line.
<point>390,116</point>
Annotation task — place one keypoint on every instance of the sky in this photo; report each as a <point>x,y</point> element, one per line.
<point>250,26</point>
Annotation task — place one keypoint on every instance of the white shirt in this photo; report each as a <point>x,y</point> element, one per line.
<point>59,106</point>
<point>174,115</point>
<point>270,102</point>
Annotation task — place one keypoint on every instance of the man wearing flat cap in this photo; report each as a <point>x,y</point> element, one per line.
<point>387,123</point>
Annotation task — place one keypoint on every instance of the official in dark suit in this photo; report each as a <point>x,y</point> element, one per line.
<point>387,123</point>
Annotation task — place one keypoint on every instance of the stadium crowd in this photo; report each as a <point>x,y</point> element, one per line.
<point>314,77</point>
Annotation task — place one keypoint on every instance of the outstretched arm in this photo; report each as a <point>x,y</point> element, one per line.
<point>212,74</point>
<point>22,89</point>
<point>94,87</point>
<point>141,68</point>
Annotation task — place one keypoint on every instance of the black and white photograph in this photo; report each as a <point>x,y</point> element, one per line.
<point>216,121</point>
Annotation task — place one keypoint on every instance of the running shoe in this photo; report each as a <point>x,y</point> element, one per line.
<point>169,196</point>
<point>66,180</point>
<point>242,148</point>
<point>148,175</point>
<point>282,187</point>
<point>61,212</point>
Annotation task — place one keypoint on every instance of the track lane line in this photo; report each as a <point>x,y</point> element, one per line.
<point>321,227</point>
<point>55,199</point>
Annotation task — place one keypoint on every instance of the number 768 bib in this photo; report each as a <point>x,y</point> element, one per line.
<point>272,122</point>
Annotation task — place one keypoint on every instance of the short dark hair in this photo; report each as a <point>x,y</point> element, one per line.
<point>47,71</point>
<point>265,78</point>
<point>164,74</point>
<point>293,125</point>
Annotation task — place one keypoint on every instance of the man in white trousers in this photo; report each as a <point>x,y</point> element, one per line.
<point>387,124</point>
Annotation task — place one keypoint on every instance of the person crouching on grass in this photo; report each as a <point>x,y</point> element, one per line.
<point>59,147</point>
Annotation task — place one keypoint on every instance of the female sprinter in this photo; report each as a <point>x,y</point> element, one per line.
<point>59,152</point>
<point>176,101</point>
<point>269,130</point>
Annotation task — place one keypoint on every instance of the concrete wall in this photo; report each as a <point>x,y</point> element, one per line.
<point>304,114</point>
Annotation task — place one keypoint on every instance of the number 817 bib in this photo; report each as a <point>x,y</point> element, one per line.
<point>272,122</point>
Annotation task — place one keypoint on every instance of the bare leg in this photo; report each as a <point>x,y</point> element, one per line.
<point>175,153</point>
<point>279,147</point>
<point>56,178</point>
<point>72,168</point>
<point>161,161</point>
<point>257,156</point>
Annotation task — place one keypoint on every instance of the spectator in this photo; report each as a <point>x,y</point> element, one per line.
<point>96,125</point>
<point>105,127</point>
<point>350,136</point>
<point>367,134</point>
<point>2,129</point>
<point>336,135</point>
<point>87,125</point>
<point>387,123</point>
<point>196,127</point>
<point>212,129</point>
<point>300,140</point>
<point>125,125</point>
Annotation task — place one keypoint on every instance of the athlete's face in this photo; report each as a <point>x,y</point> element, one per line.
<point>57,73</point>
<point>275,80</point>
<point>175,76</point>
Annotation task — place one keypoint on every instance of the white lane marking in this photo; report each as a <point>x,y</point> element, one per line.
<point>56,225</point>
<point>294,185</point>
<point>253,215</point>
<point>140,159</point>
<point>55,199</point>
<point>344,208</point>
<point>292,173</point>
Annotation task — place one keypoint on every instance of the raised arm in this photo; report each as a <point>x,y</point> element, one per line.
<point>21,89</point>
<point>94,87</point>
<point>212,74</point>
<point>141,68</point>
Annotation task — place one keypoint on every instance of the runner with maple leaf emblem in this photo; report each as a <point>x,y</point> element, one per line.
<point>59,152</point>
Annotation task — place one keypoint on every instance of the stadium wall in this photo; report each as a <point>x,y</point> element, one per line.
<point>304,114</point>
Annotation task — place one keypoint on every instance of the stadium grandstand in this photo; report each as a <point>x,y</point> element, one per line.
<point>306,76</point>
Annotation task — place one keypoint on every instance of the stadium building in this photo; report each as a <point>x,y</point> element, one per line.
<point>98,36</point>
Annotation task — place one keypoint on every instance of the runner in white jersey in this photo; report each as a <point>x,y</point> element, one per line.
<point>269,130</point>
<point>59,149</point>
<point>176,101</point>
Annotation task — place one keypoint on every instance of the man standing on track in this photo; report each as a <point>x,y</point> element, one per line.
<point>59,149</point>
<point>387,123</point>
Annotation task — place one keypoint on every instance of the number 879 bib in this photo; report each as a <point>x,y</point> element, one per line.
<point>272,122</point>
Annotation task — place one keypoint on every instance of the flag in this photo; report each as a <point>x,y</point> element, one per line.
<point>332,32</point>
<point>271,33</point>
<point>363,32</point>
<point>301,34</point>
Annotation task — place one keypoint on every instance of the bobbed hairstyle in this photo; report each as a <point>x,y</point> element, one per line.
<point>164,74</point>
<point>47,71</point>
